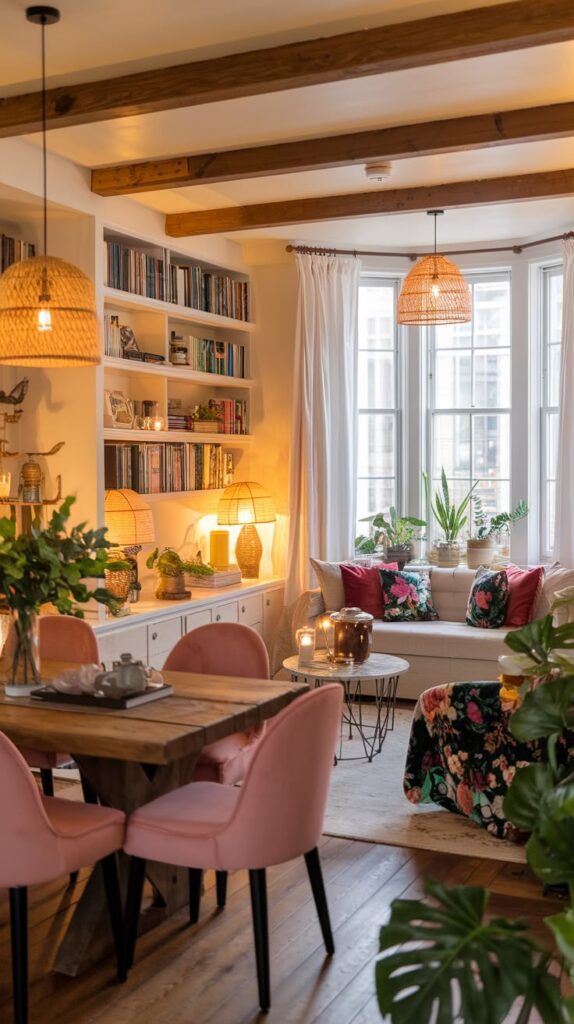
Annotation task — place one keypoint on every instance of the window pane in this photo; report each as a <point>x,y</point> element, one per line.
<point>377,316</point>
<point>453,336</point>
<point>556,286</point>
<point>491,313</point>
<point>451,447</point>
<point>491,447</point>
<point>492,378</point>
<point>452,379</point>
<point>494,495</point>
<point>376,380</point>
<point>373,496</point>
<point>550,514</point>
<point>551,444</point>
<point>554,355</point>
<point>377,444</point>
<point>552,288</point>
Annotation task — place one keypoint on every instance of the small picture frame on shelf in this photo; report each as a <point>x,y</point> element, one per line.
<point>118,410</point>
<point>128,342</point>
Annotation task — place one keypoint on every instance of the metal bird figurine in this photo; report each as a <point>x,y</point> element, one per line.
<point>16,395</point>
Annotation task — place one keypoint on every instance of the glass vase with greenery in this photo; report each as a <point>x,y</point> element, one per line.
<point>48,565</point>
<point>447,960</point>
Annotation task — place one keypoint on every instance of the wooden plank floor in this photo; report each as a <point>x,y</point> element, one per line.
<point>206,974</point>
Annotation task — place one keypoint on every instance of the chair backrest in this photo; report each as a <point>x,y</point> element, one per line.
<point>66,638</point>
<point>29,846</point>
<point>223,649</point>
<point>280,811</point>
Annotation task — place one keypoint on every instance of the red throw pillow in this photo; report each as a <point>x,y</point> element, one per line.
<point>523,588</point>
<point>362,586</point>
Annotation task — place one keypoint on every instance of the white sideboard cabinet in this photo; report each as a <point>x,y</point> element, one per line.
<point>154,627</point>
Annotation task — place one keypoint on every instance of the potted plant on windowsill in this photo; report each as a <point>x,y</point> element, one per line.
<point>45,566</point>
<point>450,517</point>
<point>480,547</point>
<point>396,533</point>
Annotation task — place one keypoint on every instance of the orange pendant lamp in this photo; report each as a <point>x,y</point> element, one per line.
<point>47,306</point>
<point>435,291</point>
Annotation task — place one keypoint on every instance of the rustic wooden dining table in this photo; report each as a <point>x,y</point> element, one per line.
<point>132,756</point>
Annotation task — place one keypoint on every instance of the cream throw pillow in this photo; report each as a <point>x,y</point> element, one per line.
<point>330,580</point>
<point>556,579</point>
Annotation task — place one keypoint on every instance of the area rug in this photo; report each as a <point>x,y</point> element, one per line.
<point>366,801</point>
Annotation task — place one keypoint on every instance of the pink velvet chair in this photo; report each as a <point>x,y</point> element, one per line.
<point>43,838</point>
<point>62,638</point>
<point>224,649</point>
<point>277,814</point>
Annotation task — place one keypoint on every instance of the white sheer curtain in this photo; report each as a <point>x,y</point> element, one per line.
<point>324,436</point>
<point>564,529</point>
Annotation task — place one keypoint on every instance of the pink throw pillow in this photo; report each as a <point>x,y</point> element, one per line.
<point>362,586</point>
<point>523,588</point>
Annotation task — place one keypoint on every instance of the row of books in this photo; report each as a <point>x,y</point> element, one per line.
<point>213,293</point>
<point>13,250</point>
<point>138,272</point>
<point>156,468</point>
<point>133,271</point>
<point>222,357</point>
<point>230,416</point>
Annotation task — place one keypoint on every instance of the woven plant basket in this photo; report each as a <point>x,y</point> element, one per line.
<point>452,304</point>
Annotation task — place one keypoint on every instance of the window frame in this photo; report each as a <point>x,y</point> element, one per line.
<point>546,273</point>
<point>476,277</point>
<point>373,280</point>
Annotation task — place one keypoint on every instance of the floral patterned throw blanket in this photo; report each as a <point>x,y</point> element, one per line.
<point>462,755</point>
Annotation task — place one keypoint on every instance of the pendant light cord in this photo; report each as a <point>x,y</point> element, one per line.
<point>44,149</point>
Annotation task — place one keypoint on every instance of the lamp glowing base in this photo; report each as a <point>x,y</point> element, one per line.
<point>248,551</point>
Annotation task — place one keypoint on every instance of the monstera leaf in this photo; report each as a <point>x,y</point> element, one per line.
<point>458,967</point>
<point>522,801</point>
<point>545,711</point>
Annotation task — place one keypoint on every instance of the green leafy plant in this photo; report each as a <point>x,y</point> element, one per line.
<point>487,526</point>
<point>398,531</point>
<point>169,563</point>
<point>449,954</point>
<point>450,517</point>
<point>205,412</point>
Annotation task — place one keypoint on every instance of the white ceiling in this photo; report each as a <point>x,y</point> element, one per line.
<point>101,38</point>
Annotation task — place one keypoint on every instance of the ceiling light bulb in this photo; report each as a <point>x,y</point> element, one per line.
<point>44,319</point>
<point>435,291</point>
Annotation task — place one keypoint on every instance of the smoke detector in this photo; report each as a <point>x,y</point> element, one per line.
<point>378,172</point>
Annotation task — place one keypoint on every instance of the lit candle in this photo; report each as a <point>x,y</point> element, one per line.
<point>5,479</point>
<point>219,549</point>
<point>306,644</point>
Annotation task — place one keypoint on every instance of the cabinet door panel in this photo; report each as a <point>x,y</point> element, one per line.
<point>228,612</point>
<point>196,619</point>
<point>127,640</point>
<point>272,611</point>
<point>251,610</point>
<point>162,636</point>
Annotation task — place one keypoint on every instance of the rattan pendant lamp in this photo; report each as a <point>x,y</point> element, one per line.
<point>47,306</point>
<point>434,291</point>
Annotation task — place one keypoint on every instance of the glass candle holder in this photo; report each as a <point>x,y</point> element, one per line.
<point>306,645</point>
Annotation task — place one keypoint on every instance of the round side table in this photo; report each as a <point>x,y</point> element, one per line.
<point>381,670</point>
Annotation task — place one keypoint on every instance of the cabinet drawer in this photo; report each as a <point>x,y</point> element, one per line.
<point>132,640</point>
<point>162,636</point>
<point>226,612</point>
<point>196,619</point>
<point>251,609</point>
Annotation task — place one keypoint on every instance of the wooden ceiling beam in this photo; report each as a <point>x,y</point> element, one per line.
<point>532,124</point>
<point>434,40</point>
<point>515,188</point>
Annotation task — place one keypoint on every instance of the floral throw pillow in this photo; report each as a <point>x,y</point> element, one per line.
<point>406,596</point>
<point>488,599</point>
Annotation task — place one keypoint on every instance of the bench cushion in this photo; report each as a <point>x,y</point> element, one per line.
<point>439,640</point>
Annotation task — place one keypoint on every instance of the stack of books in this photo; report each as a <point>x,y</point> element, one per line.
<point>220,578</point>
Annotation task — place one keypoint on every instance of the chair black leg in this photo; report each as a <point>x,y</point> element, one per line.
<point>133,906</point>
<point>316,878</point>
<point>19,939</point>
<point>111,882</point>
<point>47,781</point>
<point>258,886</point>
<point>221,888</point>
<point>195,876</point>
<point>90,796</point>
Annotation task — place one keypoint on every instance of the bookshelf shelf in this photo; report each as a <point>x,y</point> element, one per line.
<point>177,373</point>
<point>155,436</point>
<point>129,301</point>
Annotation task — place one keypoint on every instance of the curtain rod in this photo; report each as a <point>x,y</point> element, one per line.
<point>310,250</point>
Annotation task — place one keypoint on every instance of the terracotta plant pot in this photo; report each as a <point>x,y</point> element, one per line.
<point>479,552</point>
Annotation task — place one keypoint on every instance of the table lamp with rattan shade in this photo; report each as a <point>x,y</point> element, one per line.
<point>129,521</point>
<point>244,504</point>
